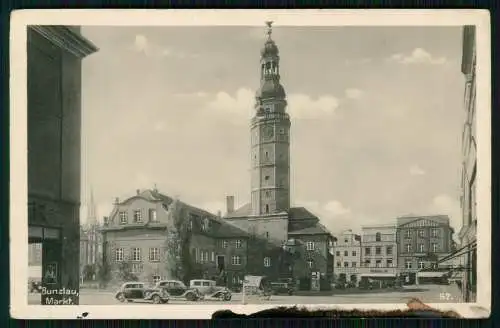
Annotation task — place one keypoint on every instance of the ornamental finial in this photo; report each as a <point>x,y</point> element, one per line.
<point>269,28</point>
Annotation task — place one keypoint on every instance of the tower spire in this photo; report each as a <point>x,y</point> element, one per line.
<point>269,28</point>
<point>92,215</point>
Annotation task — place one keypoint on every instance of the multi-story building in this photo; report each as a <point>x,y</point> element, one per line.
<point>54,56</point>
<point>347,256</point>
<point>421,241</point>
<point>379,252</point>
<point>468,232</point>
<point>269,213</point>
<point>151,236</point>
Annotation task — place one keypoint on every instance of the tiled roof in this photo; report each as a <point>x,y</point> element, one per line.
<point>314,229</point>
<point>295,213</point>
<point>243,211</point>
<point>442,219</point>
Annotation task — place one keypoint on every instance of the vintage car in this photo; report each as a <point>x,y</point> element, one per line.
<point>209,289</point>
<point>137,291</point>
<point>177,289</point>
<point>281,287</point>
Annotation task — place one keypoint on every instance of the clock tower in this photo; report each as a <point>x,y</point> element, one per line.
<point>270,138</point>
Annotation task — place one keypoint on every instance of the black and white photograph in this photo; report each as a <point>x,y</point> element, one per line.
<point>170,164</point>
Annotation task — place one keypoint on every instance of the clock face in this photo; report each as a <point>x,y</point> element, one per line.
<point>268,131</point>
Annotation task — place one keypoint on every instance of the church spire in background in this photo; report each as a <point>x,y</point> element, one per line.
<point>92,211</point>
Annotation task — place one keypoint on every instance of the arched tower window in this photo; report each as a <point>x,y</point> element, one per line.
<point>377,236</point>
<point>267,208</point>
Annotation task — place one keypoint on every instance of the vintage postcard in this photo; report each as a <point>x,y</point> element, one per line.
<point>170,164</point>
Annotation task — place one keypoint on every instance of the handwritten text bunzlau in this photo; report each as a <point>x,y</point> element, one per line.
<point>62,296</point>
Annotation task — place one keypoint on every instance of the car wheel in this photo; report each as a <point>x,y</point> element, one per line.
<point>227,298</point>
<point>191,297</point>
<point>120,297</point>
<point>156,299</point>
<point>164,301</point>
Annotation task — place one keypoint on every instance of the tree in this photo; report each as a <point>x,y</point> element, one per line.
<point>125,272</point>
<point>177,246</point>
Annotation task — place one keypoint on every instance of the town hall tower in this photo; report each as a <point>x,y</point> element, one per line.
<point>270,138</point>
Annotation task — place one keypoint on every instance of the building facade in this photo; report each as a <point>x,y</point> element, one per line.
<point>347,257</point>
<point>150,236</point>
<point>379,252</point>
<point>421,241</point>
<point>468,232</point>
<point>54,124</point>
<point>269,215</point>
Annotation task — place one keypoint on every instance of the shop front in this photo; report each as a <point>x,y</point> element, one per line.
<point>372,278</point>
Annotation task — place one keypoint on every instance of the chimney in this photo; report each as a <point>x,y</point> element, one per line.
<point>230,204</point>
<point>106,220</point>
<point>138,191</point>
<point>117,201</point>
<point>219,214</point>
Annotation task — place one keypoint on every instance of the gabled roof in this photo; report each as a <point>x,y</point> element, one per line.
<point>243,211</point>
<point>440,219</point>
<point>314,229</point>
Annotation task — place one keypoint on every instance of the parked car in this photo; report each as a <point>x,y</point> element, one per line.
<point>209,289</point>
<point>281,288</point>
<point>177,289</point>
<point>135,291</point>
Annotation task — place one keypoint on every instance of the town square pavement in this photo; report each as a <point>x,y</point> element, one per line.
<point>425,293</point>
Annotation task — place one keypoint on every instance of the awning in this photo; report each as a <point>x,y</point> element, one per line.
<point>253,281</point>
<point>432,274</point>
<point>378,275</point>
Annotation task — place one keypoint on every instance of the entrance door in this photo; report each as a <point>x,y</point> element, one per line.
<point>221,263</point>
<point>51,272</point>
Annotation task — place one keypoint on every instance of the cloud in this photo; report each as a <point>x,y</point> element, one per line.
<point>353,93</point>
<point>418,56</point>
<point>416,170</point>
<point>300,106</point>
<point>336,208</point>
<point>143,45</point>
<point>447,205</point>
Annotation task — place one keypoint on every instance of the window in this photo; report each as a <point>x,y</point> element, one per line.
<point>338,264</point>
<point>421,248</point>
<point>408,264</point>
<point>346,253</point>
<point>212,257</point>
<point>337,253</point>
<point>353,253</point>
<point>137,216</point>
<point>119,254</point>
<point>235,260</point>
<point>389,263</point>
<point>136,267</point>
<point>367,263</point>
<point>310,263</point>
<point>267,155</point>
<point>268,194</point>
<point>156,278</point>
<point>224,244</point>
<point>434,247</point>
<point>123,218</point>
<point>435,233</point>
<point>310,246</point>
<point>388,250</point>
<point>346,240</point>
<point>420,265</point>
<point>421,233</point>
<point>136,254</point>
<point>408,248</point>
<point>408,233</point>
<point>267,234</point>
<point>353,264</point>
<point>206,225</point>
<point>367,250</point>
<point>267,262</point>
<point>378,250</point>
<point>378,263</point>
<point>204,256</point>
<point>238,243</point>
<point>282,131</point>
<point>152,215</point>
<point>346,264</point>
<point>266,177</point>
<point>378,237</point>
<point>154,254</point>
<point>267,208</point>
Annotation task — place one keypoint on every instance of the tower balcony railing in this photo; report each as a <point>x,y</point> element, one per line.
<point>270,116</point>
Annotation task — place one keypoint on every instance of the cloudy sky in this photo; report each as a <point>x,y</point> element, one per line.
<point>376,117</point>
